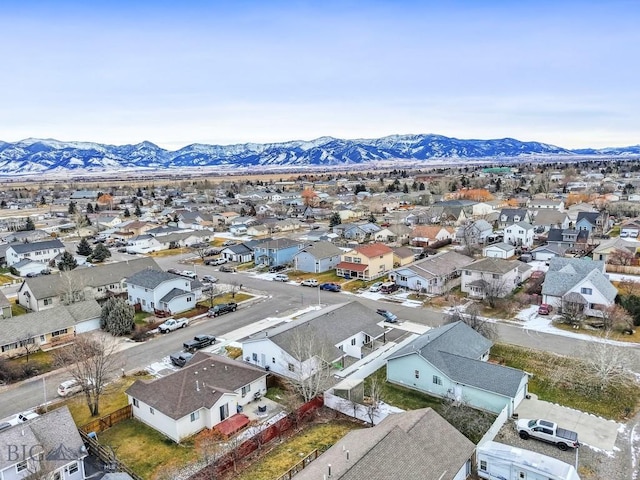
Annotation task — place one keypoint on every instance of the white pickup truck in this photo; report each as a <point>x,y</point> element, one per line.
<point>173,324</point>
<point>547,432</point>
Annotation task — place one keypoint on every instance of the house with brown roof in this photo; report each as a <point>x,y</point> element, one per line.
<point>205,392</point>
<point>413,445</point>
<point>427,234</point>
<point>366,262</point>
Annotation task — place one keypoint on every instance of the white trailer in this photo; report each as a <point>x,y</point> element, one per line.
<point>497,461</point>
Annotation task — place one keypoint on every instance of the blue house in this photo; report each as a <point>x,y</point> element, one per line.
<point>590,221</point>
<point>278,251</point>
<point>451,362</point>
<point>320,257</point>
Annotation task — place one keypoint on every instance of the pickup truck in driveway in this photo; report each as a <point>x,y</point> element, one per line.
<point>547,432</point>
<point>221,309</point>
<point>198,342</point>
<point>173,324</point>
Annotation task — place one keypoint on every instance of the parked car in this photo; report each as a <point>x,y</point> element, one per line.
<point>71,387</point>
<point>281,277</point>
<point>189,273</point>
<point>547,432</point>
<point>209,279</point>
<point>174,271</point>
<point>388,287</point>
<point>375,287</point>
<point>544,309</point>
<point>331,287</point>
<point>388,316</point>
<point>180,359</point>
<point>173,324</point>
<point>216,261</point>
<point>221,309</point>
<point>309,282</point>
<point>198,342</point>
<point>277,268</point>
<point>228,243</point>
<point>46,271</point>
<point>32,275</point>
<point>224,268</point>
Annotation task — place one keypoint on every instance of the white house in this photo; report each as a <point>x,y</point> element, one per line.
<point>155,290</point>
<point>144,243</point>
<point>206,391</point>
<point>499,250</point>
<point>42,252</point>
<point>519,234</point>
<point>492,277</point>
<point>338,331</point>
<point>578,282</point>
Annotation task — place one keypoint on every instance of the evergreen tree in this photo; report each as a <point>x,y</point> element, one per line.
<point>175,218</point>
<point>43,201</point>
<point>3,204</point>
<point>67,262</point>
<point>89,208</point>
<point>100,253</point>
<point>372,218</point>
<point>137,211</point>
<point>29,225</point>
<point>127,213</point>
<point>421,187</point>
<point>96,209</point>
<point>72,208</point>
<point>117,317</point>
<point>405,188</point>
<point>84,248</point>
<point>335,219</point>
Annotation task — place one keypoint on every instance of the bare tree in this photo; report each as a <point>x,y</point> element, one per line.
<point>620,256</point>
<point>494,289</point>
<point>616,316</point>
<point>72,290</point>
<point>28,343</point>
<point>212,292</point>
<point>234,287</point>
<point>606,364</point>
<point>471,317</point>
<point>91,360</point>
<point>201,249</point>
<point>209,445</point>
<point>469,421</point>
<point>572,314</point>
<point>308,367</point>
<point>374,397</point>
<point>469,239</point>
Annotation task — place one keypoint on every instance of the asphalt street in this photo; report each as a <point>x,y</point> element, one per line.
<point>276,299</point>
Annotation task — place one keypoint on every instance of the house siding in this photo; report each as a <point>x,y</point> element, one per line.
<point>263,353</point>
<point>305,262</point>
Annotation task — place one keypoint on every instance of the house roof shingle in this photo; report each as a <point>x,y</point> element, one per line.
<point>373,249</point>
<point>20,248</point>
<point>492,265</point>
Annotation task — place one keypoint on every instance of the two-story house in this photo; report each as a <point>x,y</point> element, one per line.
<point>593,222</point>
<point>366,262</point>
<point>159,291</point>
<point>519,234</point>
<point>42,252</point>
<point>490,277</point>
<point>319,257</point>
<point>568,238</point>
<point>278,251</point>
<point>509,216</point>
<point>315,340</point>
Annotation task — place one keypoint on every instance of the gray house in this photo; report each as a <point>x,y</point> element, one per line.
<point>239,252</point>
<point>320,257</point>
<point>39,251</point>
<point>451,362</point>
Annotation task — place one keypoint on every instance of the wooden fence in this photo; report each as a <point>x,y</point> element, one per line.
<point>101,424</point>
<point>626,269</point>
<point>229,460</point>
<point>107,456</point>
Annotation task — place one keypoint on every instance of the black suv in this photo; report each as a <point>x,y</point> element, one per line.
<point>277,268</point>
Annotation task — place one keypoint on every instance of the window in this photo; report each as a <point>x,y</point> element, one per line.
<point>495,276</point>
<point>73,468</point>
<point>586,291</point>
<point>467,272</point>
<point>291,367</point>
<point>416,373</point>
<point>188,299</point>
<point>48,301</point>
<point>57,333</point>
<point>152,411</point>
<point>135,403</point>
<point>483,465</point>
<point>437,380</point>
<point>254,357</point>
<point>353,341</point>
<point>195,416</point>
<point>246,389</point>
<point>21,466</point>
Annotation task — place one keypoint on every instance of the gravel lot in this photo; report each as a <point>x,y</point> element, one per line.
<point>592,464</point>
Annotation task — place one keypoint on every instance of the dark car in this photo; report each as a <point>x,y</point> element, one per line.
<point>180,359</point>
<point>225,268</point>
<point>331,287</point>
<point>388,316</point>
<point>221,309</point>
<point>198,342</point>
<point>32,274</point>
<point>174,271</point>
<point>277,268</point>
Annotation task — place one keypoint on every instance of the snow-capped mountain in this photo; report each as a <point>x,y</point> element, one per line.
<point>33,156</point>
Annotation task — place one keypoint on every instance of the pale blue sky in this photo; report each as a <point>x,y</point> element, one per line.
<point>176,73</point>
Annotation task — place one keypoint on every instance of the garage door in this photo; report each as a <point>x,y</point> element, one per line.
<point>88,325</point>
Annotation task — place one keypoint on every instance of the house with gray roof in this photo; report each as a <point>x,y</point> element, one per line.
<point>509,216</point>
<point>519,234</point>
<point>499,250</point>
<point>315,340</point>
<point>451,362</point>
<point>432,275</point>
<point>159,291</point>
<point>48,446</point>
<point>412,445</point>
<point>578,283</point>
<point>48,291</point>
<point>545,219</point>
<point>47,329</point>
<point>43,252</point>
<point>240,253</point>
<point>206,391</point>
<point>490,277</point>
<point>319,257</point>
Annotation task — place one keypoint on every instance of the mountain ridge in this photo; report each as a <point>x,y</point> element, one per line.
<point>36,156</point>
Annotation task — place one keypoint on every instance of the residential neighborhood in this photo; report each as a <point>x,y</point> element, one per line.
<point>411,318</point>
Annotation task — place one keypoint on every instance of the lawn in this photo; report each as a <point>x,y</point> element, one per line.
<point>289,453</point>
<point>111,400</point>
<point>6,279</point>
<point>17,309</point>
<point>140,318</point>
<point>145,449</point>
<point>562,380</point>
<point>321,277</point>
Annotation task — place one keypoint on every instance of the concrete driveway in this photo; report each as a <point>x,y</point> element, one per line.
<point>593,431</point>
